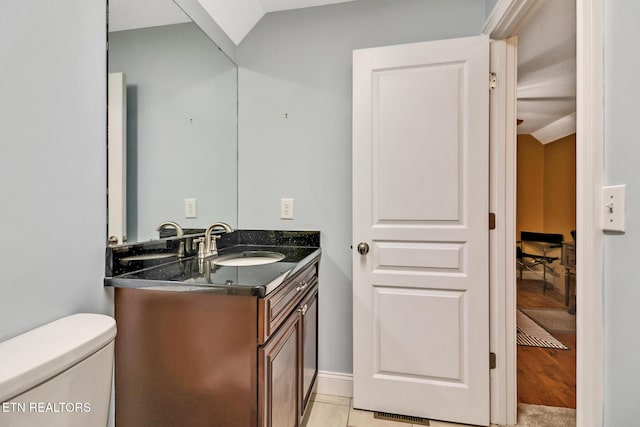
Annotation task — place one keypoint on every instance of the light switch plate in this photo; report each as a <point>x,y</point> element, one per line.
<point>613,208</point>
<point>286,208</point>
<point>190,208</point>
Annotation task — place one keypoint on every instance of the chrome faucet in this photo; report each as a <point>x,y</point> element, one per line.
<point>179,230</point>
<point>210,242</point>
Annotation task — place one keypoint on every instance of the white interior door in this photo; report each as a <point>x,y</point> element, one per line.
<point>420,192</point>
<point>117,158</point>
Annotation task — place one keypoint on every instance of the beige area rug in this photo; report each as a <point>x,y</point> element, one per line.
<point>545,416</point>
<point>554,320</point>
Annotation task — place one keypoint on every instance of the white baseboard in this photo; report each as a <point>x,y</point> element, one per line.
<point>335,384</point>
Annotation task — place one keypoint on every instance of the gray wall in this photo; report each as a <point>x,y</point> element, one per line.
<point>181,127</point>
<point>622,153</point>
<point>490,4</point>
<point>295,127</point>
<point>53,162</point>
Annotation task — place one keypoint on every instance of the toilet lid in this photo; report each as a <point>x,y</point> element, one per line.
<point>35,356</point>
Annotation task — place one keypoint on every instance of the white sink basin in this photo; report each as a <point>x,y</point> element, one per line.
<point>248,258</point>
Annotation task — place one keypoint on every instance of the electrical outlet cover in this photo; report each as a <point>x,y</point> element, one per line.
<point>286,208</point>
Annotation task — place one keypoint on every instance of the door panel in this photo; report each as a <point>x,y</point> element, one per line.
<point>405,348</point>
<point>419,257</point>
<point>420,184</point>
<point>402,117</point>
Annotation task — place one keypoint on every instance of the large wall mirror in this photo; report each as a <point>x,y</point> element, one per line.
<point>181,119</point>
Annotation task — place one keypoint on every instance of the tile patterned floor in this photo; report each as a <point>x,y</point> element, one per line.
<point>335,411</point>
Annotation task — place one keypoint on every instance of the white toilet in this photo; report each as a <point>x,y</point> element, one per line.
<point>58,374</point>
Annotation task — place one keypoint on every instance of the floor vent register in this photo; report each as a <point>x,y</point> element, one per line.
<point>401,418</point>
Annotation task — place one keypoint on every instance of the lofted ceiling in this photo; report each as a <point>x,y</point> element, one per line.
<point>235,17</point>
<point>547,72</point>
<point>238,17</point>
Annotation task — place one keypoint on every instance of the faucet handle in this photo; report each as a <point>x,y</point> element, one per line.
<point>181,250</point>
<point>214,245</point>
<point>199,242</point>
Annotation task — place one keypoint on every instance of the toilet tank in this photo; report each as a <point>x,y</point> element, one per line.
<point>58,374</point>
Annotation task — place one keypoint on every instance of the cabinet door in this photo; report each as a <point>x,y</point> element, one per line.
<point>309,311</point>
<point>280,376</point>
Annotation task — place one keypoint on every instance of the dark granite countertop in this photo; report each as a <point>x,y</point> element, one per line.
<point>190,274</point>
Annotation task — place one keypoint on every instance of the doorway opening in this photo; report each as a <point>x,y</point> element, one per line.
<point>546,208</point>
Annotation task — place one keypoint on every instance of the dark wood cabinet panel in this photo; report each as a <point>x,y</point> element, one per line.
<point>309,348</point>
<point>177,362</point>
<point>279,366</point>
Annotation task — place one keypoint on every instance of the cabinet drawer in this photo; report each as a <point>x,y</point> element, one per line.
<point>275,307</point>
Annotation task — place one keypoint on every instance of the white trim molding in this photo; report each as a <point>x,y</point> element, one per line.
<point>334,384</point>
<point>590,240</point>
<point>508,17</point>
<point>506,20</point>
<point>502,241</point>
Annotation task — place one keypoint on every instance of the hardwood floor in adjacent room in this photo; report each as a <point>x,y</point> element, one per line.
<point>546,376</point>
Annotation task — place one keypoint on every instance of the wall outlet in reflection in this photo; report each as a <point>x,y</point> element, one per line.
<point>190,208</point>
<point>286,208</point>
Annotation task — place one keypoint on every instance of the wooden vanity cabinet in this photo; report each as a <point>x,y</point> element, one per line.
<point>205,359</point>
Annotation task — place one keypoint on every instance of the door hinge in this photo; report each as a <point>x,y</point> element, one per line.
<point>492,221</point>
<point>492,361</point>
<point>493,81</point>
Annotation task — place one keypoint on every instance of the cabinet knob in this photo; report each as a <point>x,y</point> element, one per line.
<point>363,248</point>
<point>301,286</point>
<point>303,309</point>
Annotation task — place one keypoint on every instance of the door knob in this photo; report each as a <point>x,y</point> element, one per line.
<point>363,248</point>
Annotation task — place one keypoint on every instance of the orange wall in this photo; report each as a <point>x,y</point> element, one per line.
<point>546,187</point>
<point>560,186</point>
<point>530,189</point>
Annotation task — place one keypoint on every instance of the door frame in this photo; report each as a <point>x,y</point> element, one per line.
<point>504,23</point>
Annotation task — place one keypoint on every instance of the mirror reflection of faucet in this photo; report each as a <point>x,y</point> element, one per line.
<point>165,224</point>
<point>179,233</point>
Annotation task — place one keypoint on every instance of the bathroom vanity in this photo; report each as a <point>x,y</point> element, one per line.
<point>204,344</point>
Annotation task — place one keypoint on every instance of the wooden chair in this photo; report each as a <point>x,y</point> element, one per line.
<point>532,251</point>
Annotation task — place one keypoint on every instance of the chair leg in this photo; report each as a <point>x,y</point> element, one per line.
<point>544,269</point>
<point>567,286</point>
<point>521,266</point>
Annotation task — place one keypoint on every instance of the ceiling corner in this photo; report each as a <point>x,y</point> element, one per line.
<point>236,18</point>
